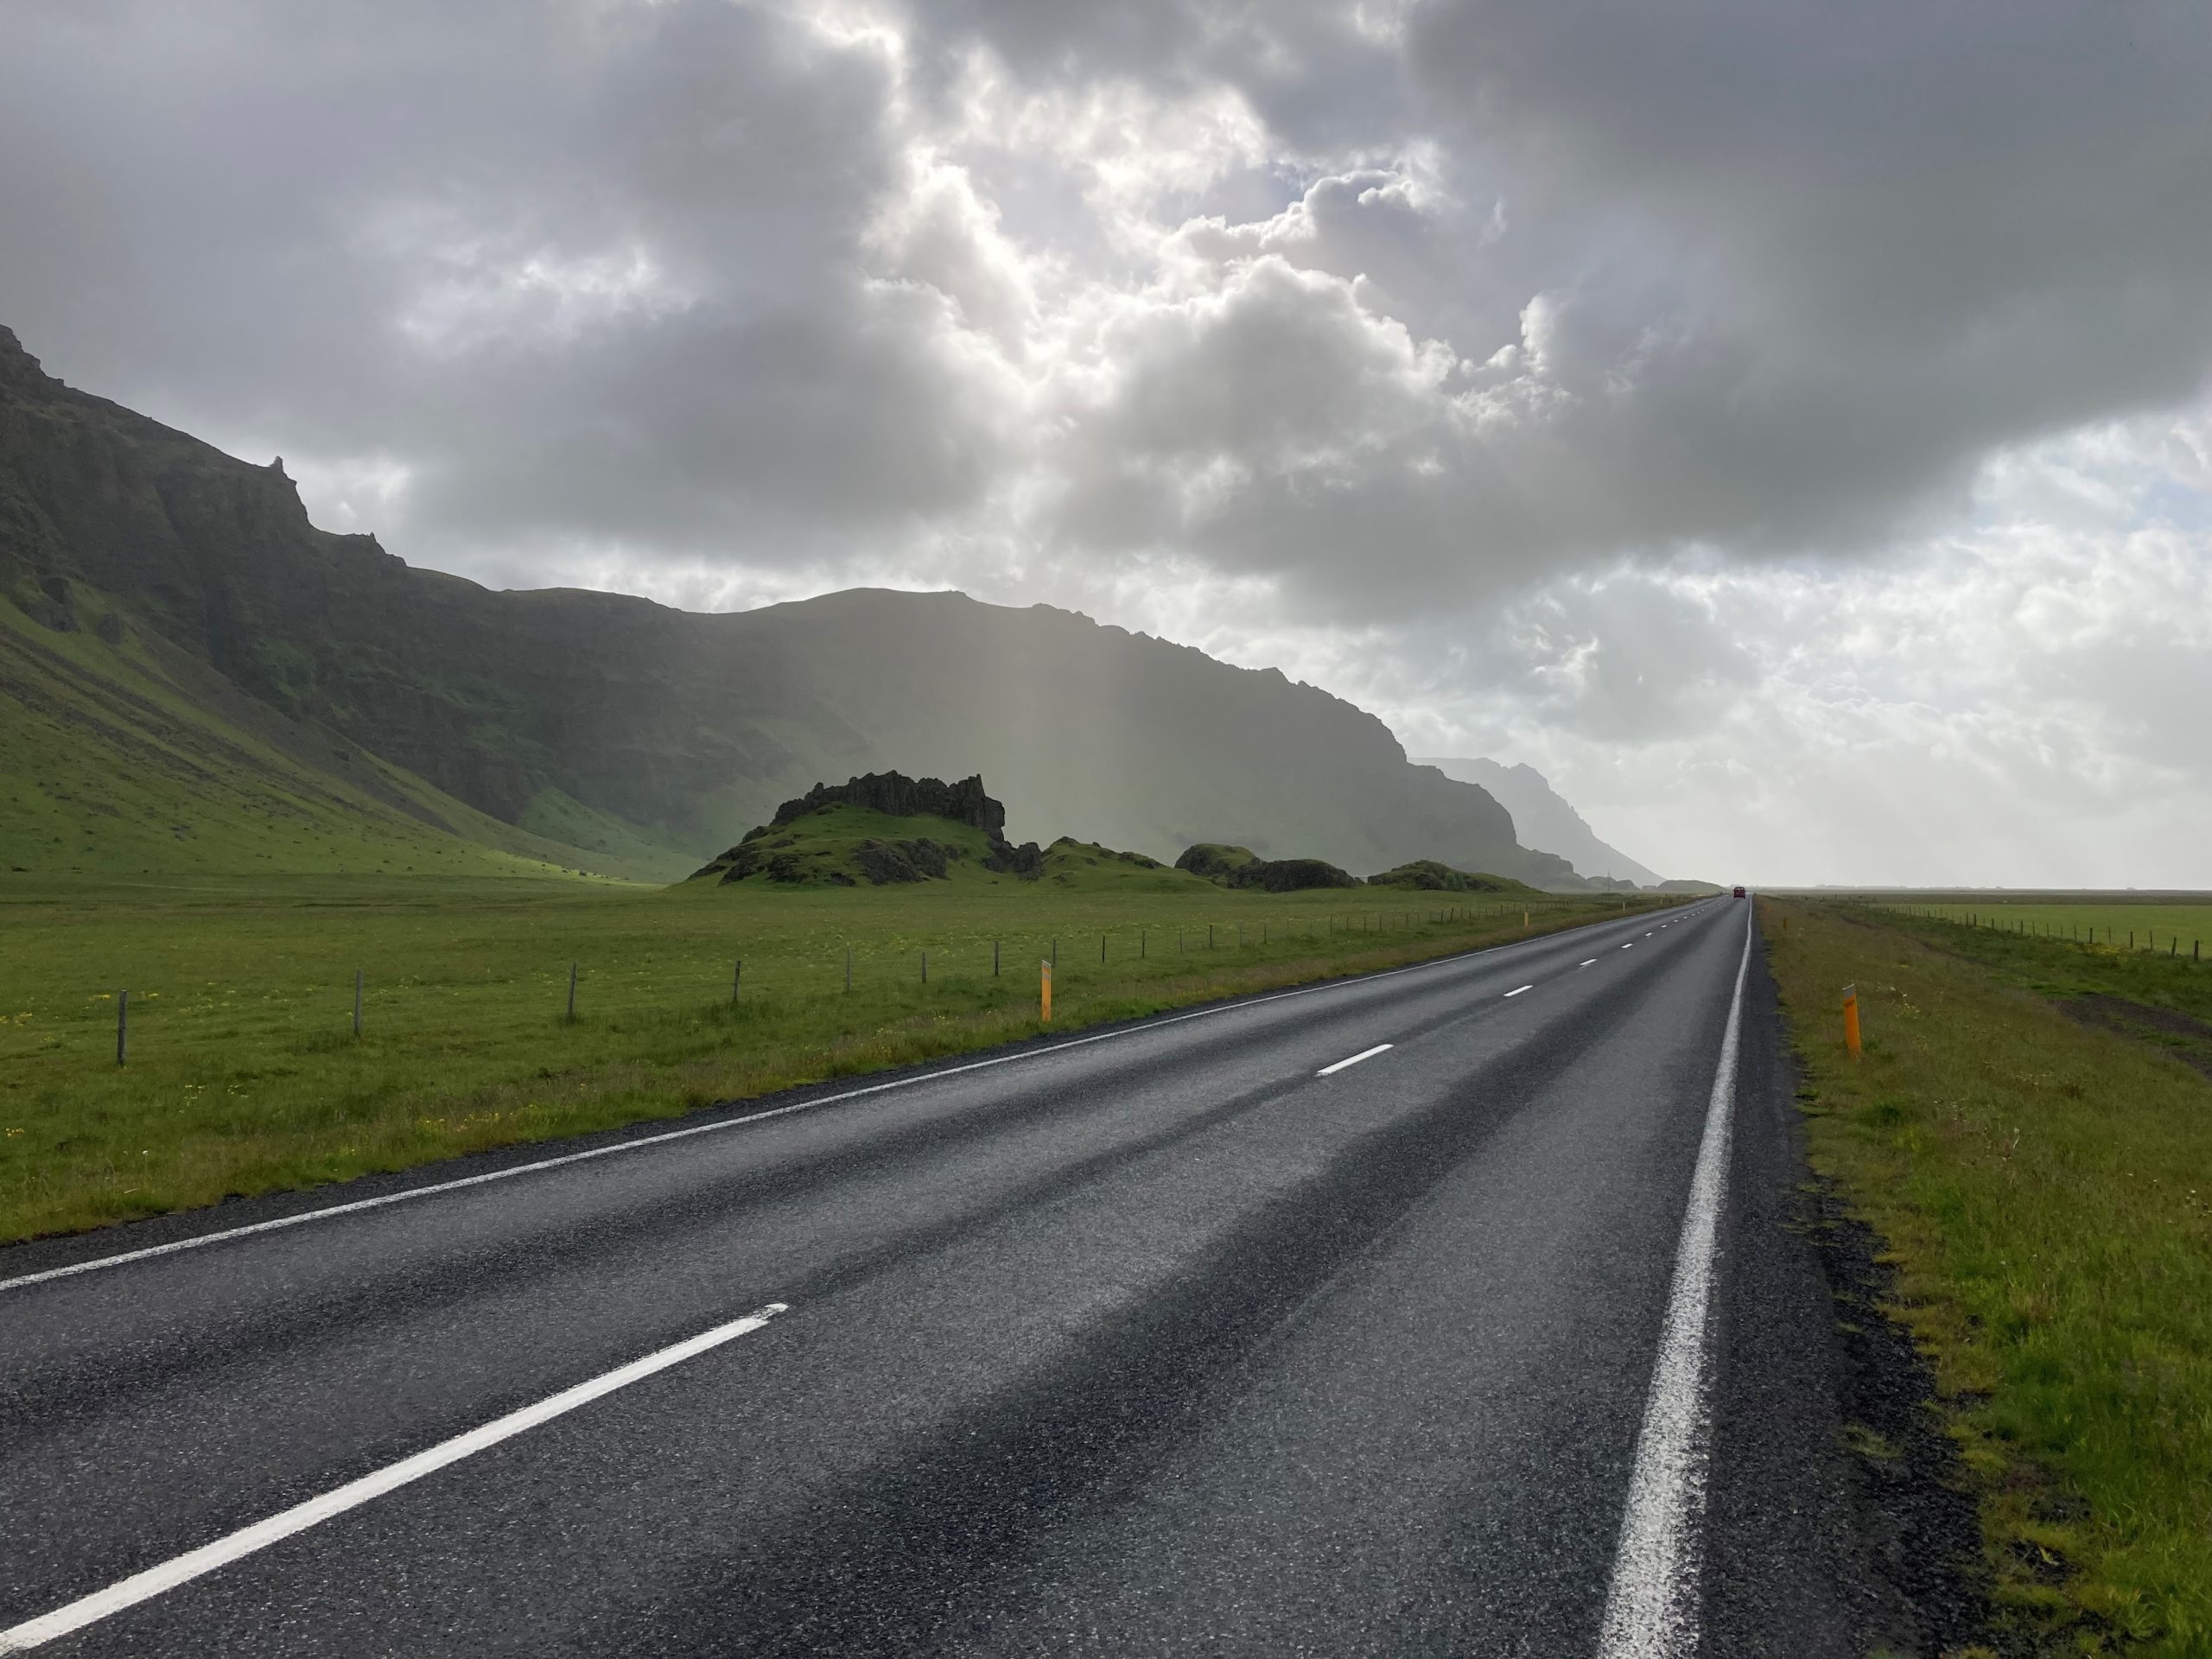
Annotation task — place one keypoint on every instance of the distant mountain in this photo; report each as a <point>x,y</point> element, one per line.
<point>1541,818</point>
<point>620,735</point>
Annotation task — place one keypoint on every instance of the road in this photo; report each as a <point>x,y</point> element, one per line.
<point>1451,1310</point>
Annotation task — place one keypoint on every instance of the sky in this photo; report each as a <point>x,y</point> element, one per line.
<point>1785,425</point>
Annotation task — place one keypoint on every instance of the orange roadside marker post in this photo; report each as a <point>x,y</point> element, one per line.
<point>1045,991</point>
<point>1850,1020</point>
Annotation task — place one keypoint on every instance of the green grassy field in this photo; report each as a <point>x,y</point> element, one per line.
<point>2045,1188</point>
<point>244,1074</point>
<point>2179,926</point>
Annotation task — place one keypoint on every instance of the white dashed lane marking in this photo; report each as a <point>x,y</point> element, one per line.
<point>1363,1054</point>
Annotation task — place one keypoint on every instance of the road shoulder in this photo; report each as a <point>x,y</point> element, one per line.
<point>1839,1521</point>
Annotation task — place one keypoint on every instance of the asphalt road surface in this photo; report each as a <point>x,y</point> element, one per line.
<point>1447,1311</point>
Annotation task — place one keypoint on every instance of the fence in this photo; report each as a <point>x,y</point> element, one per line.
<point>2084,933</point>
<point>963,969</point>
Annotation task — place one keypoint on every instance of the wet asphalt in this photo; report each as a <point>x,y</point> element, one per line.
<point>1159,1344</point>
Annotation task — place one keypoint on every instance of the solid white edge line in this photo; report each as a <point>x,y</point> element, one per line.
<point>1651,1612</point>
<point>181,1569</point>
<point>328,1211</point>
<point>1524,987</point>
<point>1363,1054</point>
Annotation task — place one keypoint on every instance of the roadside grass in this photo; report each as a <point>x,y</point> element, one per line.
<point>2046,1191</point>
<point>244,1075</point>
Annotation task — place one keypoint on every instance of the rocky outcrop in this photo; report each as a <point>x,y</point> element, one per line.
<point>1214,860</point>
<point>777,850</point>
<point>898,796</point>
<point>1238,867</point>
<point>1427,876</point>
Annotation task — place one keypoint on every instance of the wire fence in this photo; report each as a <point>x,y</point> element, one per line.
<point>867,977</point>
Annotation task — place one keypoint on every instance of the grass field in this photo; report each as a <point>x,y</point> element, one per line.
<point>2045,1186</point>
<point>2171,926</point>
<point>244,1075</point>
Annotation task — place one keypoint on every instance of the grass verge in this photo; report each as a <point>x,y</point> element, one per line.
<point>245,1075</point>
<point>2045,1190</point>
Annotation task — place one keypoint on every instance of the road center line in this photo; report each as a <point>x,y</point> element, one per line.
<point>1524,987</point>
<point>1585,964</point>
<point>1630,946</point>
<point>1363,1054</point>
<point>181,1569</point>
<point>1652,1611</point>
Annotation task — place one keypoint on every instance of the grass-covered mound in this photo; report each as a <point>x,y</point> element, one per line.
<point>853,846</point>
<point>1086,864</point>
<point>1427,876</point>
<point>1240,866</point>
<point>887,829</point>
<point>877,831</point>
<point>1216,860</point>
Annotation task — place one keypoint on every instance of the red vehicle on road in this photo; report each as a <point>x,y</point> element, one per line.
<point>1740,893</point>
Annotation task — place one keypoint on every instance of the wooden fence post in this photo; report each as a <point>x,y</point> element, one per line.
<point>572,993</point>
<point>122,1025</point>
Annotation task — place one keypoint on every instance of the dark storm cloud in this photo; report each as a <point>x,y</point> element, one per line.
<point>1386,305</point>
<point>1843,251</point>
<point>581,270</point>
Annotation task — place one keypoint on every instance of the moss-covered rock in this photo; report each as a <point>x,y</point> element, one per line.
<point>1216,860</point>
<point>1239,867</point>
<point>1427,876</point>
<point>862,831</point>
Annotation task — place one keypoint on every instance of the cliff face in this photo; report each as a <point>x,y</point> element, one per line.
<point>694,727</point>
<point>1543,817</point>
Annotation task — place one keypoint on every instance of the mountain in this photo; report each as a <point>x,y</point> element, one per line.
<point>121,754</point>
<point>1541,818</point>
<point>616,734</point>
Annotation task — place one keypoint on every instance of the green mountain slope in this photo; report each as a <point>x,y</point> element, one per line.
<point>120,754</point>
<point>628,727</point>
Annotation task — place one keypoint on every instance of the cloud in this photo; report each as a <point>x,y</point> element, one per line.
<point>1646,388</point>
